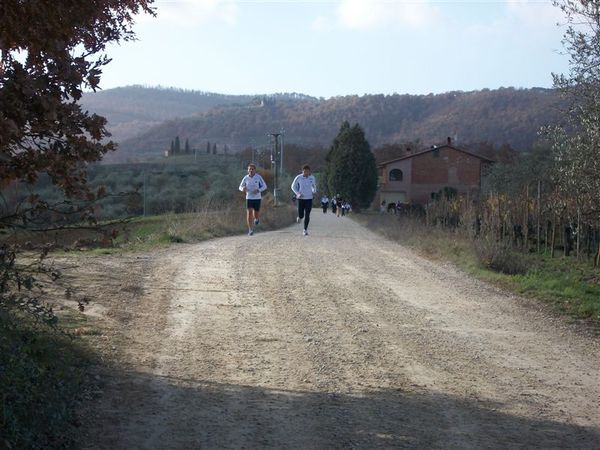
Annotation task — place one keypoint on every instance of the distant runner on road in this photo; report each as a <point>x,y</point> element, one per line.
<point>324,203</point>
<point>304,186</point>
<point>252,184</point>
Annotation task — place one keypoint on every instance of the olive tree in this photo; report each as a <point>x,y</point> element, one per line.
<point>576,141</point>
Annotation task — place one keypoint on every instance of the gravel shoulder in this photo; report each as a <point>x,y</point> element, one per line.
<point>340,339</point>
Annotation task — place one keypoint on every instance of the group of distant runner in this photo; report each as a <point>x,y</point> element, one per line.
<point>339,206</point>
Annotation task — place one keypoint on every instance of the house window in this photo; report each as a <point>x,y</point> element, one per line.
<point>395,175</point>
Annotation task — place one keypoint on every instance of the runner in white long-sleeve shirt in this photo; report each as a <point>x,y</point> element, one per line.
<point>304,186</point>
<point>252,184</point>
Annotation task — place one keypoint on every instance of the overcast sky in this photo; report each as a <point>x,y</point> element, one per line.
<point>342,47</point>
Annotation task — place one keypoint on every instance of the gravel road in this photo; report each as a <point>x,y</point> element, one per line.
<point>340,339</point>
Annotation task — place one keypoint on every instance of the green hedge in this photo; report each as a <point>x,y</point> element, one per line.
<point>40,381</point>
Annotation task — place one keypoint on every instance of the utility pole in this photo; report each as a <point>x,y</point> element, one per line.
<point>275,164</point>
<point>281,158</point>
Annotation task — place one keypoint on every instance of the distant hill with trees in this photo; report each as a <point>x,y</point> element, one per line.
<point>505,116</point>
<point>131,110</point>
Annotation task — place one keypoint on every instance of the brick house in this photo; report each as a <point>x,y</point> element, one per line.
<point>415,178</point>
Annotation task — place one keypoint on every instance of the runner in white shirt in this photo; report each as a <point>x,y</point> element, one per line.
<point>252,184</point>
<point>304,186</point>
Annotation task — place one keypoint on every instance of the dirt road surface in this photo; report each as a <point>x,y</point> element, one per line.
<point>340,339</point>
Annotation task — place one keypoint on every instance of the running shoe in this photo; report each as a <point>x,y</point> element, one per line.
<point>250,232</point>
<point>304,232</point>
<point>297,219</point>
<point>256,221</point>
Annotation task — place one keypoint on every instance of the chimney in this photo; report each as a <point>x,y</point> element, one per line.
<point>449,140</point>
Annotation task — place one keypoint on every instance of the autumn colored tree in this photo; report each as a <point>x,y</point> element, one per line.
<point>296,156</point>
<point>50,51</point>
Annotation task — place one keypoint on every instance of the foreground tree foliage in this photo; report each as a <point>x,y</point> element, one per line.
<point>50,51</point>
<point>576,142</point>
<point>351,171</point>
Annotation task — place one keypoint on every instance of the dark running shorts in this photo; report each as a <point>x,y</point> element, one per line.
<point>253,204</point>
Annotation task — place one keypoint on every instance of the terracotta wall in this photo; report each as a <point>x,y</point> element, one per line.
<point>429,172</point>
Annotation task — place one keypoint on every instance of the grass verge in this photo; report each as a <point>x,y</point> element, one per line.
<point>145,233</point>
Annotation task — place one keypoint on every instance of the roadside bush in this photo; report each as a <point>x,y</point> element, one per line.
<point>40,369</point>
<point>499,256</point>
<point>40,381</point>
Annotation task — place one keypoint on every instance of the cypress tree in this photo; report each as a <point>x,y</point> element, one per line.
<point>208,147</point>
<point>351,171</point>
<point>177,145</point>
<point>187,146</point>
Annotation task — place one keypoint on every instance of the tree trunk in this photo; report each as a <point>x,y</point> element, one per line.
<point>538,213</point>
<point>553,237</point>
<point>564,242</point>
<point>596,234</point>
<point>578,232</point>
<point>526,220</point>
<point>546,233</point>
<point>500,223</point>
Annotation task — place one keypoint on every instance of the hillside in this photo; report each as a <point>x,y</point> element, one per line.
<point>502,116</point>
<point>131,110</point>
